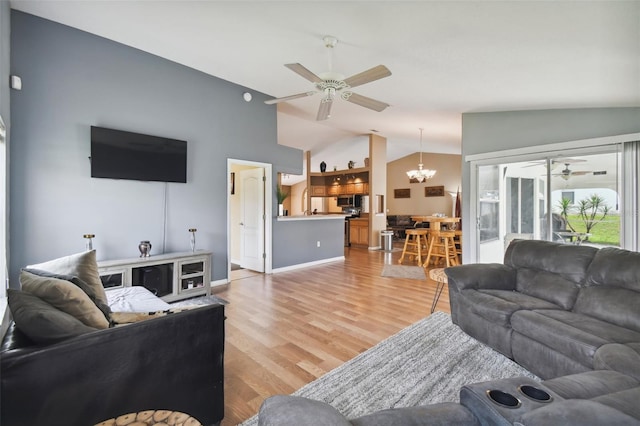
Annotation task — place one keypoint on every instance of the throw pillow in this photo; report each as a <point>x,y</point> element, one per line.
<point>65,296</point>
<point>82,265</point>
<point>40,321</point>
<point>106,310</point>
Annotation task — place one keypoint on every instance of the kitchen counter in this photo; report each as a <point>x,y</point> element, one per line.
<point>360,219</point>
<point>311,217</point>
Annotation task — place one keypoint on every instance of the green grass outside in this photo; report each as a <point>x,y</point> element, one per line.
<point>605,232</point>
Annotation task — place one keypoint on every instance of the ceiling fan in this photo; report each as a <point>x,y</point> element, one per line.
<point>566,173</point>
<point>331,83</point>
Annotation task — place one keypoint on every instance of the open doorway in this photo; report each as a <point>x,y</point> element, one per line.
<point>248,218</point>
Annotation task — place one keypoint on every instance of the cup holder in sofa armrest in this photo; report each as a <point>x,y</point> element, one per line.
<point>504,399</point>
<point>535,393</point>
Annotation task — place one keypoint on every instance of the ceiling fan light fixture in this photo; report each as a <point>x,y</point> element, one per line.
<point>329,94</point>
<point>421,174</point>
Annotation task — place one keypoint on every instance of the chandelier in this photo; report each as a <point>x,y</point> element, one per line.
<point>421,174</point>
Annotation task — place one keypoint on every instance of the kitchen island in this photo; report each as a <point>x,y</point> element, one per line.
<point>327,216</point>
<point>305,240</point>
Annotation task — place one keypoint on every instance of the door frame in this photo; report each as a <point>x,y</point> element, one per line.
<point>268,208</point>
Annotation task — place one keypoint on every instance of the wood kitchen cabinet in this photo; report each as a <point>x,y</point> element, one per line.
<point>361,188</point>
<point>318,191</point>
<point>340,182</point>
<point>333,190</point>
<point>348,189</point>
<point>359,232</point>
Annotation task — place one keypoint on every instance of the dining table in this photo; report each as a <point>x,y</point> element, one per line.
<point>435,222</point>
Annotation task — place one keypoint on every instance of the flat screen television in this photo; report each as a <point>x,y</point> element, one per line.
<point>117,154</point>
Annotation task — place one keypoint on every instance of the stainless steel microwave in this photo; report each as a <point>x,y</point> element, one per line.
<point>350,201</point>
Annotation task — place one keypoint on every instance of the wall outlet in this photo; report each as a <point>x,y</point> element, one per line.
<point>318,244</point>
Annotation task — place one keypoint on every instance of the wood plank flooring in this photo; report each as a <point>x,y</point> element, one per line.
<point>285,330</point>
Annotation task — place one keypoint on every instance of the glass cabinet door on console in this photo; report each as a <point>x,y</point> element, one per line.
<point>191,276</point>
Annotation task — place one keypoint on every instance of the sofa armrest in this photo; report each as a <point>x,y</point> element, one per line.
<point>481,276</point>
<point>173,362</point>
<point>285,410</point>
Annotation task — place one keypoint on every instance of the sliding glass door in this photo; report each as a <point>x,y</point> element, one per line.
<point>572,197</point>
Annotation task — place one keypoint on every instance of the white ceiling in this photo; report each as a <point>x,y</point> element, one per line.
<point>447,58</point>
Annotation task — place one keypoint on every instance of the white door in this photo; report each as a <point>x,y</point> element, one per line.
<point>252,217</point>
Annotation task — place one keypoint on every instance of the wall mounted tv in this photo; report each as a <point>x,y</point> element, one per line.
<point>118,154</point>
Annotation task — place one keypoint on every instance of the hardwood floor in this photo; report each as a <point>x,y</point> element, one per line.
<point>285,330</point>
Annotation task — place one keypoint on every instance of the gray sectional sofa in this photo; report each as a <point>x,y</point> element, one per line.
<point>570,314</point>
<point>555,309</point>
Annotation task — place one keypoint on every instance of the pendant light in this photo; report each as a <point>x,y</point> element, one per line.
<point>421,174</point>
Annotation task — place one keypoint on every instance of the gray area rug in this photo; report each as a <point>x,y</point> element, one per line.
<point>427,362</point>
<point>201,300</point>
<point>404,271</point>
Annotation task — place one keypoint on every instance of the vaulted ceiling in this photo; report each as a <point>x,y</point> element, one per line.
<point>446,58</point>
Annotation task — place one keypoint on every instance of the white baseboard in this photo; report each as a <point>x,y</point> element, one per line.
<point>305,265</point>
<point>218,283</point>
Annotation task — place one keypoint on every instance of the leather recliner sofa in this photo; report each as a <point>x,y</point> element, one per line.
<point>555,309</point>
<point>174,363</point>
<point>567,313</point>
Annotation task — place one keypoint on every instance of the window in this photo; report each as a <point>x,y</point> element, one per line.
<point>569,195</point>
<point>573,196</point>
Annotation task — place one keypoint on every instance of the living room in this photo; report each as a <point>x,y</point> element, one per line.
<point>73,79</point>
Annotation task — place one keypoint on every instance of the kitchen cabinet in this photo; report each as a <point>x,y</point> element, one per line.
<point>361,188</point>
<point>359,232</point>
<point>348,189</point>
<point>333,190</point>
<point>318,191</point>
<point>342,182</point>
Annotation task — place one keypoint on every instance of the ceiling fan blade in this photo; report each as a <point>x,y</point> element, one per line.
<point>567,160</point>
<point>580,173</point>
<point>304,72</point>
<point>325,109</point>
<point>373,74</point>
<point>288,98</point>
<point>364,101</point>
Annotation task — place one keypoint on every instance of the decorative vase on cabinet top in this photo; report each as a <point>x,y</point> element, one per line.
<point>323,167</point>
<point>145,248</point>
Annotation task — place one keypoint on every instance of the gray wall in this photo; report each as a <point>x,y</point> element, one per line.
<point>497,131</point>
<point>5,34</point>
<point>72,80</point>
<point>306,233</point>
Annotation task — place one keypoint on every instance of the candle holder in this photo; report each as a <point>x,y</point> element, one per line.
<point>193,238</point>
<point>89,242</point>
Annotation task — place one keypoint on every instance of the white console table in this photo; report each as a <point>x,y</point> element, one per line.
<point>171,276</point>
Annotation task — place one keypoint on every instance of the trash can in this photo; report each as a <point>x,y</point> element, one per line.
<point>386,240</point>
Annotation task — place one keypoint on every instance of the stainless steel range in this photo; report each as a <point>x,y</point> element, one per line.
<point>350,213</point>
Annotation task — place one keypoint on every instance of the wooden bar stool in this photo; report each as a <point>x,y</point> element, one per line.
<point>442,246</point>
<point>414,242</point>
<point>457,239</point>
